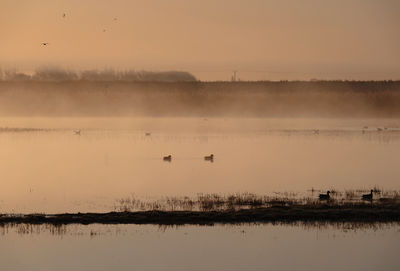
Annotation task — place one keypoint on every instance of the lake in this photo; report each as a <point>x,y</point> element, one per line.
<point>46,167</point>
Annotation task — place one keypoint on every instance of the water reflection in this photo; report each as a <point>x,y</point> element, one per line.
<point>123,229</point>
<point>241,247</point>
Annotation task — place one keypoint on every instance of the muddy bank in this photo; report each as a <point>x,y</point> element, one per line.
<point>323,213</point>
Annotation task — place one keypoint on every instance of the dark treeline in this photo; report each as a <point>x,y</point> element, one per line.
<point>246,99</point>
<point>62,75</point>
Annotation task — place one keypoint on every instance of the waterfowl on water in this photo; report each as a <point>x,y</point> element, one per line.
<point>368,196</point>
<point>325,196</point>
<point>148,134</point>
<point>167,158</point>
<point>77,132</point>
<point>209,157</point>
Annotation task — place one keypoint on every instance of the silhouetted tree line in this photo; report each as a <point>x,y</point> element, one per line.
<point>62,75</point>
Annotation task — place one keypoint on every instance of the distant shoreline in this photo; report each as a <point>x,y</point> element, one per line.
<point>341,99</point>
<point>364,213</point>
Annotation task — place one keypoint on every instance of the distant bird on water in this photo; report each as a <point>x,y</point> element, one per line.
<point>209,158</point>
<point>368,196</point>
<point>45,43</point>
<point>77,132</point>
<point>167,158</point>
<point>325,196</point>
<point>64,15</point>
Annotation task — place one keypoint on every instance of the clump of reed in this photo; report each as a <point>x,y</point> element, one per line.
<point>237,201</point>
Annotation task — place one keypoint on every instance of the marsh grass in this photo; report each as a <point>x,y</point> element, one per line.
<point>237,201</point>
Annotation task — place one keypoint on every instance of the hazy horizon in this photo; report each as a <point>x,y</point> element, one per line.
<point>262,40</point>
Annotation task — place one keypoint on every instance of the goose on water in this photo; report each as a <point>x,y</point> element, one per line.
<point>325,196</point>
<point>368,196</point>
<point>167,158</point>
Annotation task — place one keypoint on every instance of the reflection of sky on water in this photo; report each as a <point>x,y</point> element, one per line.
<point>241,247</point>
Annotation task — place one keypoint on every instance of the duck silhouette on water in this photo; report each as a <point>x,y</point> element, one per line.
<point>325,196</point>
<point>209,158</point>
<point>167,158</point>
<point>368,196</point>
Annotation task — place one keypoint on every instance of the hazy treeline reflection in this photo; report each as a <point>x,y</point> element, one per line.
<point>150,98</point>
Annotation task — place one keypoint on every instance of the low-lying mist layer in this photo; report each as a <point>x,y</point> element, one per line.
<point>235,99</point>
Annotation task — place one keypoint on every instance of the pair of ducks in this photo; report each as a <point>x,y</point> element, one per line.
<point>364,197</point>
<point>210,158</point>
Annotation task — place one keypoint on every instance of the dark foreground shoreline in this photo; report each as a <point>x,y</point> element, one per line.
<point>286,214</point>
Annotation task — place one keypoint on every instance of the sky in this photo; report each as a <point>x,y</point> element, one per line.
<point>261,39</point>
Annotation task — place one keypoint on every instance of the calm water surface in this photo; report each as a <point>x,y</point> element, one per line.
<point>244,247</point>
<point>55,170</point>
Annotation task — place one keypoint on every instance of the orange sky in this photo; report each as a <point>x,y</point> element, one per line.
<point>262,39</point>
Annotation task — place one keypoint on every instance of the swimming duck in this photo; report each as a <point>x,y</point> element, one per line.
<point>209,157</point>
<point>167,158</point>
